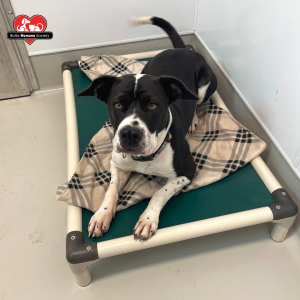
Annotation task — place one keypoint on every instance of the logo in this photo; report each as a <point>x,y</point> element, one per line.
<point>30,29</point>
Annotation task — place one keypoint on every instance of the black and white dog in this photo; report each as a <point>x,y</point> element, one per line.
<point>151,114</point>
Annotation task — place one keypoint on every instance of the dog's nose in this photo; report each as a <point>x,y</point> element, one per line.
<point>131,134</point>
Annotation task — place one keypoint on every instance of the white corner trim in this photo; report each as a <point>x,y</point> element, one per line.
<point>196,15</point>
<point>249,107</point>
<point>106,44</point>
<point>297,159</point>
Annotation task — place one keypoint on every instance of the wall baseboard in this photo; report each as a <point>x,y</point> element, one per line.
<point>106,44</point>
<point>47,67</point>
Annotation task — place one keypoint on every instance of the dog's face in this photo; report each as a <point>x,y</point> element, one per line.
<point>138,108</point>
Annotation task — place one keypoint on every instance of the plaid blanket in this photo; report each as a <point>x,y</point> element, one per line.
<point>219,146</point>
<point>93,66</point>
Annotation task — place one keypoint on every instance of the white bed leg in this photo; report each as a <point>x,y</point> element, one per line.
<point>82,273</point>
<point>281,228</point>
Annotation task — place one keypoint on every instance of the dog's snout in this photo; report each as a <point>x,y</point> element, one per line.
<point>131,135</point>
<point>136,136</point>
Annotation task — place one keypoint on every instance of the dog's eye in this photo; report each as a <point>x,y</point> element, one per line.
<point>118,105</point>
<point>152,106</point>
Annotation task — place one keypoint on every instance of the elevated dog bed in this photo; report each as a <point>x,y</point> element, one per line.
<point>250,196</point>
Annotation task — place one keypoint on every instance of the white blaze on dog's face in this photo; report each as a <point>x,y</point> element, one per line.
<point>138,107</point>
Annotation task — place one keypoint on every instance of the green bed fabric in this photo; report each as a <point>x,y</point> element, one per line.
<point>243,190</point>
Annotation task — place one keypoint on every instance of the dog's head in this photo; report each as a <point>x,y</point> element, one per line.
<point>25,21</point>
<point>138,108</point>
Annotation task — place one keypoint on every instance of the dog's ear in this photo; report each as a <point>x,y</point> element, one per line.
<point>175,89</point>
<point>100,86</point>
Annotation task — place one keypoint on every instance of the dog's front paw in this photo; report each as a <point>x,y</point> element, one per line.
<point>146,226</point>
<point>100,221</point>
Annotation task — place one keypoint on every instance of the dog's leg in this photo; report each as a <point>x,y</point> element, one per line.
<point>201,94</point>
<point>99,223</point>
<point>194,124</point>
<point>148,222</point>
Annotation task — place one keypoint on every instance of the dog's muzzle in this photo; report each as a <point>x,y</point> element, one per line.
<point>131,140</point>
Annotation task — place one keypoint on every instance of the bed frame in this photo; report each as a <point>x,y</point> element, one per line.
<point>80,255</point>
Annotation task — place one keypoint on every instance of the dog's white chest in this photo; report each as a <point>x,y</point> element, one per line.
<point>162,165</point>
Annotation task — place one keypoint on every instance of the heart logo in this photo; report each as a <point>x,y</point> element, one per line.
<point>36,23</point>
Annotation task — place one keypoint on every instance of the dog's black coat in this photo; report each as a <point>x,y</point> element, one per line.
<point>191,69</point>
<point>173,79</point>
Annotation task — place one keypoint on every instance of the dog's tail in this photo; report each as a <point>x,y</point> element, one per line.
<point>163,24</point>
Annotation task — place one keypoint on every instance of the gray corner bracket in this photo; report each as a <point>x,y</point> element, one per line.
<point>284,206</point>
<point>69,65</point>
<point>190,47</point>
<point>77,251</point>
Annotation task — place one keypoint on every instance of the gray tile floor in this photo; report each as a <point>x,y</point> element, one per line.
<point>240,264</point>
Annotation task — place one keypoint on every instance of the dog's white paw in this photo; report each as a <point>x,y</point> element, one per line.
<point>146,226</point>
<point>100,222</point>
<point>194,124</point>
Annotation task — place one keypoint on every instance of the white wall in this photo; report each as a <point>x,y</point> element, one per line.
<point>258,45</point>
<point>83,24</point>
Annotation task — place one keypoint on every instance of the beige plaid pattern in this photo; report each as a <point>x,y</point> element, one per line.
<point>93,66</point>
